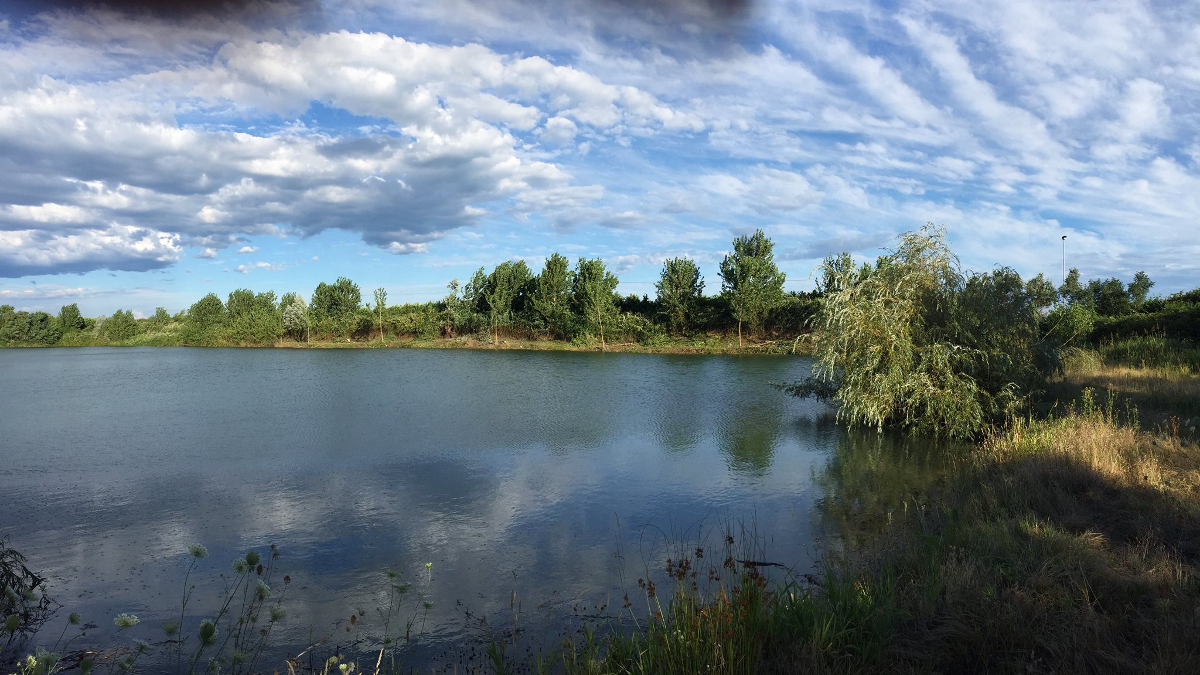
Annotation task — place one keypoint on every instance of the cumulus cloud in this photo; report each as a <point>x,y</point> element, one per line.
<point>90,153</point>
<point>837,127</point>
<point>116,247</point>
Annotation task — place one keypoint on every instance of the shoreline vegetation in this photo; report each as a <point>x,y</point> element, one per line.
<point>1058,530</point>
<point>560,307</point>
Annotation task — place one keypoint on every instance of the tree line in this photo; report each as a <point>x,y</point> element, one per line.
<point>561,302</point>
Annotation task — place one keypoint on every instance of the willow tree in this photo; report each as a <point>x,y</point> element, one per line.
<point>910,342</point>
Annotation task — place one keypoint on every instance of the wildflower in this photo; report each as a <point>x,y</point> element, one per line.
<point>428,605</point>
<point>74,619</point>
<point>198,551</point>
<point>240,565</point>
<point>124,621</point>
<point>11,595</point>
<point>142,645</point>
<point>240,656</point>
<point>85,664</point>
<point>252,558</point>
<point>170,627</point>
<point>208,632</point>
<point>29,595</point>
<point>277,613</point>
<point>264,591</point>
<point>428,565</point>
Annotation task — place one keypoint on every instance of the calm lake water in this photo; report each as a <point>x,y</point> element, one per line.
<point>557,477</point>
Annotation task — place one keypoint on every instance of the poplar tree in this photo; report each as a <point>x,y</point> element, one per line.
<point>679,288</point>
<point>592,290</point>
<point>750,281</point>
<point>380,303</point>
<point>550,302</point>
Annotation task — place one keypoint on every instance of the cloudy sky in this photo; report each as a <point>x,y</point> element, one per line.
<point>147,157</point>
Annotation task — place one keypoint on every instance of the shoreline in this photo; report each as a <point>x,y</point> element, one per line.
<point>709,347</point>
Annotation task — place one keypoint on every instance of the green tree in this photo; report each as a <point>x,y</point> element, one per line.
<point>1072,291</point>
<point>70,319</point>
<point>502,293</point>
<point>205,320</point>
<point>592,289</point>
<point>550,301</point>
<point>160,319</point>
<point>750,281</point>
<point>253,318</point>
<point>910,342</point>
<point>1139,289</point>
<point>120,326</point>
<point>335,305</point>
<point>679,288</point>
<point>1109,297</point>
<point>1041,291</point>
<point>36,328</point>
<point>7,314</point>
<point>380,305</point>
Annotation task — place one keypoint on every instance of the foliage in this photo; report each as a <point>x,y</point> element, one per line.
<point>1041,290</point>
<point>503,293</point>
<point>1072,291</point>
<point>253,318</point>
<point>678,288</point>
<point>1070,325</point>
<point>750,281</point>
<point>380,305</point>
<point>120,326</point>
<point>70,319</point>
<point>1109,297</point>
<point>1139,289</point>
<point>336,305</point>
<point>909,342</point>
<point>295,316</point>
<point>550,300</point>
<point>25,328</point>
<point>205,320</point>
<point>592,289</point>
<point>160,319</point>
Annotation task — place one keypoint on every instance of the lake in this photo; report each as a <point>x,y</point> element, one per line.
<point>543,481</point>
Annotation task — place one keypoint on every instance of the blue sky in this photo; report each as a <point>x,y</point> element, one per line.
<point>146,160</point>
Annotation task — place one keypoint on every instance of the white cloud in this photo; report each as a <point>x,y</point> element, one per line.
<point>247,249</point>
<point>116,247</point>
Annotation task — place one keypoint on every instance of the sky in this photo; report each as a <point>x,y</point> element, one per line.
<point>153,153</point>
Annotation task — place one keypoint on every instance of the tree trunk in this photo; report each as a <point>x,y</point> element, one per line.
<point>739,333</point>
<point>600,320</point>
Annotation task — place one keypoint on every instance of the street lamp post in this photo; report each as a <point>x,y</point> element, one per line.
<point>1064,240</point>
